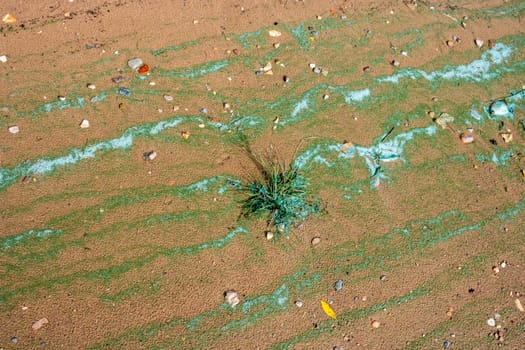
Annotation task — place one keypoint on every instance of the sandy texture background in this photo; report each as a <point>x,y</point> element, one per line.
<point>103,248</point>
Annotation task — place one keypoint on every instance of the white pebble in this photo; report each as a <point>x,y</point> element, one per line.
<point>478,42</point>
<point>316,240</point>
<point>91,86</point>
<point>231,297</point>
<point>150,155</point>
<point>135,63</point>
<point>375,324</point>
<point>491,322</point>
<point>168,98</point>
<point>274,33</point>
<point>467,138</point>
<point>14,129</point>
<point>84,124</point>
<point>38,324</point>
<point>298,303</point>
<point>3,58</point>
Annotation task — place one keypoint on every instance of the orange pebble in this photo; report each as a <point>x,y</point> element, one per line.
<point>144,69</point>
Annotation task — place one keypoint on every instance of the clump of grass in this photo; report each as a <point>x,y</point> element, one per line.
<point>279,191</point>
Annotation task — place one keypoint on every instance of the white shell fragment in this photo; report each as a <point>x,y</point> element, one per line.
<point>14,129</point>
<point>231,297</point>
<point>135,63</point>
<point>274,33</point>
<point>150,155</point>
<point>84,124</point>
<point>267,67</point>
<point>519,306</point>
<point>467,137</point>
<point>506,136</point>
<point>444,119</point>
<point>38,324</point>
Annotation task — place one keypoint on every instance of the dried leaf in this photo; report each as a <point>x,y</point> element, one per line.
<point>328,310</point>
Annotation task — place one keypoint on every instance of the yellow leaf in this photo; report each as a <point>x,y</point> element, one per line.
<point>328,310</point>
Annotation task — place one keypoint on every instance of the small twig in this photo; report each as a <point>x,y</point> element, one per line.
<point>387,134</point>
<point>451,17</point>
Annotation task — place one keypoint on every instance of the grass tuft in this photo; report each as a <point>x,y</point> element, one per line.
<point>279,191</point>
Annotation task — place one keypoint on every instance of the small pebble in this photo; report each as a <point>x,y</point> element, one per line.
<point>8,18</point>
<point>499,108</point>
<point>61,98</point>
<point>14,129</point>
<point>446,344</point>
<point>316,70</point>
<point>467,138</point>
<point>124,91</point>
<point>382,278</point>
<point>450,311</point>
<point>14,339</point>
<point>316,241</point>
<point>91,86</point>
<point>299,303</point>
<point>286,79</point>
<point>39,324</point>
<point>269,235</point>
<point>203,110</point>
<point>274,33</point>
<point>478,42</point>
<point>451,43</point>
<point>375,324</point>
<point>135,63</point>
<point>395,63</point>
<point>116,80</point>
<point>276,45</point>
<point>312,65</point>
<point>326,97</point>
<point>491,322</point>
<point>150,155</point>
<point>3,58</point>
<point>144,69</point>
<point>231,297</point>
<point>338,285</point>
<point>168,98</point>
<point>367,69</point>
<point>84,124</point>
<point>491,44</point>
<point>506,136</point>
